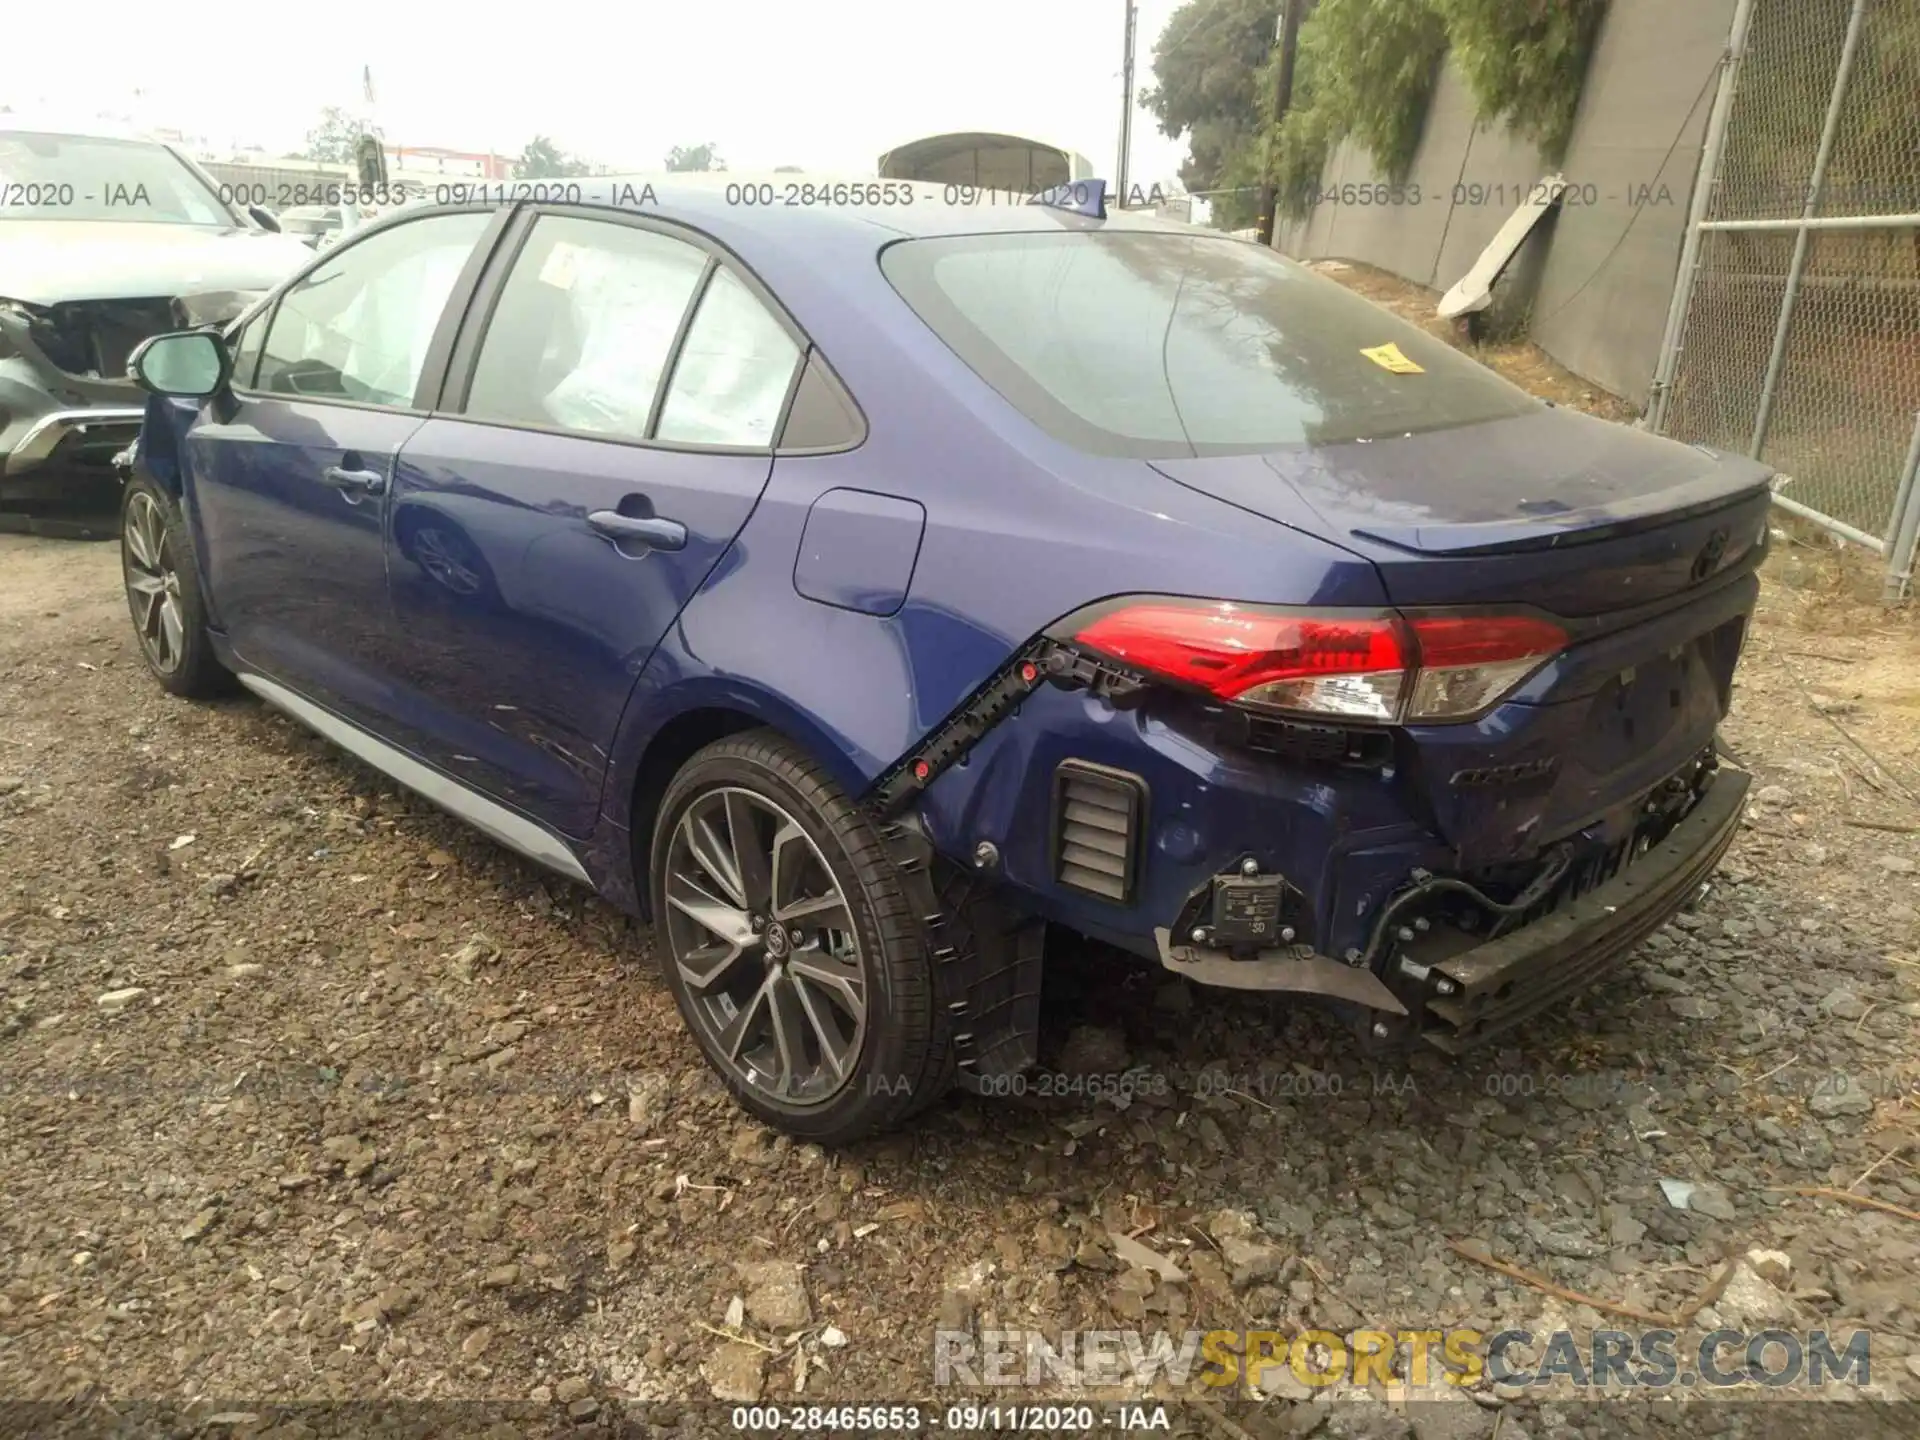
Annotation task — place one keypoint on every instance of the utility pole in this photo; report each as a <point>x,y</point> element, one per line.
<point>1286,35</point>
<point>369,162</point>
<point>1126,107</point>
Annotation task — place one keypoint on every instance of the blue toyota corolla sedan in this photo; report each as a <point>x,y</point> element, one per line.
<point>855,589</point>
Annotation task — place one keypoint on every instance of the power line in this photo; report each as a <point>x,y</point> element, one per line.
<point>1126,102</point>
<point>1286,36</point>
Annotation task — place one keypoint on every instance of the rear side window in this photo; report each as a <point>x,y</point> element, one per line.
<point>733,374</point>
<point>1161,345</point>
<point>584,327</point>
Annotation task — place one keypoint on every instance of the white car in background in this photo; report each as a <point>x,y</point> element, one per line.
<point>106,239</point>
<point>316,226</point>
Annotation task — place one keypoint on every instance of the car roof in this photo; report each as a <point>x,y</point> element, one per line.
<point>79,127</point>
<point>878,211</point>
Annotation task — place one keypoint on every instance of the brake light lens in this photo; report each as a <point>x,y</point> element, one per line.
<point>1336,665</point>
<point>1469,661</point>
<point>1384,668</point>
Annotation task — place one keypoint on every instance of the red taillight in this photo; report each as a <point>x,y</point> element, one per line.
<point>1357,666</point>
<point>1469,661</point>
<point>1484,639</point>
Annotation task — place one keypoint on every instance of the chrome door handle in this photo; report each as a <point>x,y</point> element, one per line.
<point>354,482</point>
<point>660,534</point>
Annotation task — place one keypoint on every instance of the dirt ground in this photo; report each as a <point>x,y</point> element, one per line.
<point>307,1093</point>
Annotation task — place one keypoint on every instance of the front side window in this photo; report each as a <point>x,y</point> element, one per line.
<point>1162,345</point>
<point>245,343</point>
<point>84,177</point>
<point>584,328</point>
<point>357,327</point>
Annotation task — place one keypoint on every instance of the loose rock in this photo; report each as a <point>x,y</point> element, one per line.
<point>736,1372</point>
<point>1834,1098</point>
<point>776,1294</point>
<point>647,1097</point>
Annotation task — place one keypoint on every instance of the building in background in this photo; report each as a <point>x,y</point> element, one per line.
<point>413,160</point>
<point>985,159</point>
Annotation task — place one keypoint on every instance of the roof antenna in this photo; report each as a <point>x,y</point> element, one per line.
<point>1082,197</point>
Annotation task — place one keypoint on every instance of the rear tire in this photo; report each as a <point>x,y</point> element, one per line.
<point>161,576</point>
<point>791,948</point>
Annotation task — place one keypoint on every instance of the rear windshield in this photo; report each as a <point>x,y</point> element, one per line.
<point>1159,345</point>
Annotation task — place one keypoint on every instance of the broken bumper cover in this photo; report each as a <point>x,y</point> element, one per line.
<point>1477,991</point>
<point>61,421</point>
<point>1505,981</point>
<point>80,437</point>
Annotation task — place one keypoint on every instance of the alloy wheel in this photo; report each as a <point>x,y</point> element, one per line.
<point>153,584</point>
<point>445,561</point>
<point>763,941</point>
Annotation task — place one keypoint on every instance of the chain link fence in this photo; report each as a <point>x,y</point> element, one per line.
<point>1794,335</point>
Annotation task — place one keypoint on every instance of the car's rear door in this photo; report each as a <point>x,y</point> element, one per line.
<point>290,472</point>
<point>608,427</point>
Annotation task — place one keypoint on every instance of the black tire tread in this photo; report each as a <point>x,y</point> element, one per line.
<point>200,675</point>
<point>923,1026</point>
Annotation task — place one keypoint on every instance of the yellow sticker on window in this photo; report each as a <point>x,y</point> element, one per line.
<point>1388,357</point>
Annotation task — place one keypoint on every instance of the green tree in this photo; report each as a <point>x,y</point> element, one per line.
<point>335,139</point>
<point>695,157</point>
<point>1207,70</point>
<point>544,160</point>
<point>1367,71</point>
<point>1524,61</point>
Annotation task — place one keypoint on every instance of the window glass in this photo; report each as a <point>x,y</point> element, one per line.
<point>357,328</point>
<point>584,327</point>
<point>1162,345</point>
<point>733,373</point>
<point>246,347</point>
<point>96,179</point>
<point>822,416</point>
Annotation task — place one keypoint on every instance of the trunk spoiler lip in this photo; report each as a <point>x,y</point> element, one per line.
<point>1567,529</point>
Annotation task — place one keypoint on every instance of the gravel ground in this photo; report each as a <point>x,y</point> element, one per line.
<point>307,1093</point>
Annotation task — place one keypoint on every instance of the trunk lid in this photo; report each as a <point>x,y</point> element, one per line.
<point>1643,547</point>
<point>1575,515</point>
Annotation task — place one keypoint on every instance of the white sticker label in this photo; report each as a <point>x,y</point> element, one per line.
<point>558,269</point>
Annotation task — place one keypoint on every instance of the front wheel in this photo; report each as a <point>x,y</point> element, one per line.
<point>789,944</point>
<point>162,582</point>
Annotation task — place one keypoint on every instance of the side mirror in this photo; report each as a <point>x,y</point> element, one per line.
<point>264,218</point>
<point>188,364</point>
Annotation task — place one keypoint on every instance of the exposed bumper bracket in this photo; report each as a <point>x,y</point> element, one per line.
<point>1283,970</point>
<point>1502,982</point>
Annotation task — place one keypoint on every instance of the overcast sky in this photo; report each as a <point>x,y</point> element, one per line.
<point>827,85</point>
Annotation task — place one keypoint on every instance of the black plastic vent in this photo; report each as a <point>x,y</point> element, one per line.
<point>1098,817</point>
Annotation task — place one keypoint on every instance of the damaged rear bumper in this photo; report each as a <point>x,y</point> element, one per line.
<point>1457,990</point>
<point>1499,983</point>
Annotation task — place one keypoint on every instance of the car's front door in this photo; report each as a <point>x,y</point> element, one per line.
<point>612,427</point>
<point>290,473</point>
